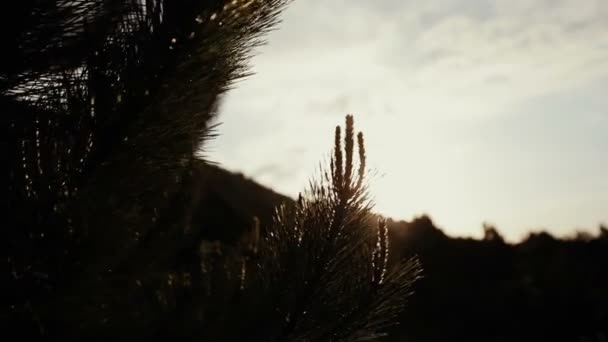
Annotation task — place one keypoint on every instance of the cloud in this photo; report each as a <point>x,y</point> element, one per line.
<point>274,171</point>
<point>358,53</point>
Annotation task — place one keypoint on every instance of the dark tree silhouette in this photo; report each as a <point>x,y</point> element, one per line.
<point>490,233</point>
<point>105,104</point>
<point>321,271</point>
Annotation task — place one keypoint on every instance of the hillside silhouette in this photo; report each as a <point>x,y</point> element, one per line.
<point>541,288</point>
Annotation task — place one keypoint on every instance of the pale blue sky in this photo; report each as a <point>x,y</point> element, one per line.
<point>473,110</point>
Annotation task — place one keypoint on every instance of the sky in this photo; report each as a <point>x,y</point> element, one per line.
<point>473,111</point>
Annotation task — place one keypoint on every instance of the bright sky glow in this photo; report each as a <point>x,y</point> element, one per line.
<point>473,110</point>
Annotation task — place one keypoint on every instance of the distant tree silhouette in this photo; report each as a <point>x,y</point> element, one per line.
<point>603,231</point>
<point>490,233</point>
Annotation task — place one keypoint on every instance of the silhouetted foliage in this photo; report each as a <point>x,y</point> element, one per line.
<point>490,233</point>
<point>541,288</point>
<point>320,272</point>
<point>603,232</point>
<point>105,104</point>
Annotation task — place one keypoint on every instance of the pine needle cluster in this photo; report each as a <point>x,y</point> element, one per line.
<point>322,272</point>
<point>105,105</point>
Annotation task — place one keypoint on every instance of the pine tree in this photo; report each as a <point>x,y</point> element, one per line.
<point>320,273</point>
<point>105,106</point>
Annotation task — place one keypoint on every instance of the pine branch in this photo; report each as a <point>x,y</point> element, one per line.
<point>322,271</point>
<point>106,103</point>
